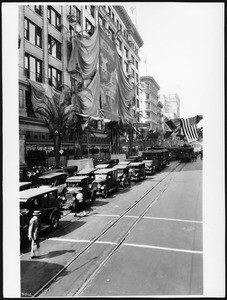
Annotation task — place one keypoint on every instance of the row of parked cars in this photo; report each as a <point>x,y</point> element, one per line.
<point>56,190</point>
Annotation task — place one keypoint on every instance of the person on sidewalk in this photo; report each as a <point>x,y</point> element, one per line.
<point>33,231</point>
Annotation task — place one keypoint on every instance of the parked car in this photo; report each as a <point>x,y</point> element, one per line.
<point>106,180</point>
<point>78,192</point>
<point>149,167</point>
<point>90,172</point>
<point>103,166</point>
<point>70,170</point>
<point>124,175</point>
<point>137,170</point>
<point>110,162</point>
<point>25,185</point>
<point>134,158</point>
<point>125,162</point>
<point>44,199</point>
<point>53,179</point>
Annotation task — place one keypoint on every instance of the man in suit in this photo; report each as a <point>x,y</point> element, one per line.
<point>33,232</point>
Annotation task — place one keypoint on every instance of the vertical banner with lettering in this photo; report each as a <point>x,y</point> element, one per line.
<point>108,76</point>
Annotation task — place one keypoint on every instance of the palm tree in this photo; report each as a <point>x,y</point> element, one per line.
<point>58,116</point>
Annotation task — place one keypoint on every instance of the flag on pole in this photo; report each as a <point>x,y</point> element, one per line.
<point>126,137</point>
<point>85,125</point>
<point>99,115</point>
<point>190,131</point>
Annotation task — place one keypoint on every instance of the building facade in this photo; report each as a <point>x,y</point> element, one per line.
<point>171,103</point>
<point>149,98</point>
<point>45,33</point>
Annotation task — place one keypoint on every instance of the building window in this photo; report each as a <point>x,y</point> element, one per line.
<point>126,52</point>
<point>89,27</point>
<point>36,8</point>
<point>126,66</point>
<point>147,105</point>
<point>21,98</point>
<point>136,64</point>
<point>113,16</point>
<point>54,47</point>
<point>120,59</point>
<point>90,9</point>
<point>132,58</point>
<point>32,33</point>
<point>109,11</point>
<point>102,21</point>
<point>33,68</point>
<point>147,96</point>
<point>119,44</point>
<point>55,78</point>
<point>137,103</point>
<point>118,24</point>
<point>148,115</point>
<point>111,32</point>
<point>137,77</point>
<point>54,17</point>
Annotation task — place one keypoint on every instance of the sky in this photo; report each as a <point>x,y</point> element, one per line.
<point>183,44</point>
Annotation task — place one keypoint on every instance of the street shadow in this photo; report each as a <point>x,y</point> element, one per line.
<point>67,227</point>
<point>53,254</point>
<point>34,274</point>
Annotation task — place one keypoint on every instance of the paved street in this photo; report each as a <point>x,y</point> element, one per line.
<point>145,240</point>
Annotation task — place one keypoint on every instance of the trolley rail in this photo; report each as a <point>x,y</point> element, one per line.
<point>108,227</point>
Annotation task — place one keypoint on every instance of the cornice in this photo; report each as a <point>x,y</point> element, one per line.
<point>128,23</point>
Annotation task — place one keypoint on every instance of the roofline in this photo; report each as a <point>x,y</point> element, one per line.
<point>149,78</point>
<point>128,22</point>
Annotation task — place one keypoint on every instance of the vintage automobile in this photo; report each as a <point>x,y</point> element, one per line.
<point>78,192</point>
<point>25,185</point>
<point>124,163</point>
<point>124,175</point>
<point>90,172</point>
<point>44,199</point>
<point>70,170</point>
<point>53,180</point>
<point>134,158</point>
<point>110,162</point>
<point>103,166</point>
<point>149,167</point>
<point>137,170</point>
<point>106,180</point>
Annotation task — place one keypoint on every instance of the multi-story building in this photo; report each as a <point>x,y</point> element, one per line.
<point>171,104</point>
<point>45,33</point>
<point>149,111</point>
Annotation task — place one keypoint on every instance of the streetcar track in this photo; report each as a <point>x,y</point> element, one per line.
<point>108,227</point>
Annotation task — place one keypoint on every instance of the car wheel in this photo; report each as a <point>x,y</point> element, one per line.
<point>93,197</point>
<point>105,193</point>
<point>54,221</point>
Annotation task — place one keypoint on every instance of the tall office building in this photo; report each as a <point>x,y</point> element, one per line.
<point>45,47</point>
<point>150,112</point>
<point>171,103</point>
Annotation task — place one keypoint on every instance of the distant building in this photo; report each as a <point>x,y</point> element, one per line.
<point>171,103</point>
<point>149,96</point>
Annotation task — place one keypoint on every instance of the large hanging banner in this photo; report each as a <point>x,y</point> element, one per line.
<point>108,76</point>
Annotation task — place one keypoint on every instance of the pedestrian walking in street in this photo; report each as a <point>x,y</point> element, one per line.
<point>33,232</point>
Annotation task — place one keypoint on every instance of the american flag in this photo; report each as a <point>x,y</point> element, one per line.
<point>99,115</point>
<point>189,130</point>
